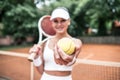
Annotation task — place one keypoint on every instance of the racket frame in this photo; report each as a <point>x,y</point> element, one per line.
<point>41,33</point>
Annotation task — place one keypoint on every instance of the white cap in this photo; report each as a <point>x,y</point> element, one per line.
<point>61,13</point>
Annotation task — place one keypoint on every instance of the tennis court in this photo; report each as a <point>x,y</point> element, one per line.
<point>96,62</point>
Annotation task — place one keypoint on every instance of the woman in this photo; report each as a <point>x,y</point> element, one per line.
<point>51,61</point>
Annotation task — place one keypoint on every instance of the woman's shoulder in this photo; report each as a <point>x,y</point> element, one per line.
<point>77,41</point>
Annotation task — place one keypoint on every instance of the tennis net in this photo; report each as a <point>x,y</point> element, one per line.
<point>96,70</point>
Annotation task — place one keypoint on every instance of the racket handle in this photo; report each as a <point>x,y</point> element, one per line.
<point>31,57</point>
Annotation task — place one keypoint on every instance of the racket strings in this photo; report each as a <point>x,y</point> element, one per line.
<point>46,26</point>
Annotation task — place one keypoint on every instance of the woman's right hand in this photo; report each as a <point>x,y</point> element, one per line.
<point>36,49</point>
<point>35,55</point>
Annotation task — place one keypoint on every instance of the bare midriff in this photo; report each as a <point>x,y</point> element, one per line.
<point>58,73</point>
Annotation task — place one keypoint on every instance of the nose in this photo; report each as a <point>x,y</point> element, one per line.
<point>59,23</point>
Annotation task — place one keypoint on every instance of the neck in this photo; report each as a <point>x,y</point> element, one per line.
<point>59,36</point>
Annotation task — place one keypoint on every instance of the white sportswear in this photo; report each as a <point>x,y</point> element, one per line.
<point>50,64</point>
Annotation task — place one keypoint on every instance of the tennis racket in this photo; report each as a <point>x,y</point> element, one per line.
<point>45,28</point>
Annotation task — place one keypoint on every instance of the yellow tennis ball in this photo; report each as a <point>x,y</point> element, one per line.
<point>67,45</point>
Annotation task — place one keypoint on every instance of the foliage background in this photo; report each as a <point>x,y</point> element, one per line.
<point>19,18</point>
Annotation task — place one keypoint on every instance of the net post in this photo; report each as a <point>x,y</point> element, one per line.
<point>32,71</point>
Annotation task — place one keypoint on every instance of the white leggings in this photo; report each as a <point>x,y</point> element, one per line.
<point>51,77</point>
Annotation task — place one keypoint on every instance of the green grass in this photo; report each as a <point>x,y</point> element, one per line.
<point>14,47</point>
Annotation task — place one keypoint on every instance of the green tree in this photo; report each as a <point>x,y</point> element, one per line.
<point>20,19</point>
<point>98,14</point>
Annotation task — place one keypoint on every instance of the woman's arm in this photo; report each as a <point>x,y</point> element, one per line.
<point>38,60</point>
<point>40,68</point>
<point>62,58</point>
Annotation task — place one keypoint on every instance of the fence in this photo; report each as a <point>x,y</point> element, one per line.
<point>101,40</point>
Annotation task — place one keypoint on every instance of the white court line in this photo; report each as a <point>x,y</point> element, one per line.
<point>14,54</point>
<point>85,58</point>
<point>98,62</point>
<point>89,56</point>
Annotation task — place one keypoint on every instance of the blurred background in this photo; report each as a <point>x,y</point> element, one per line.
<point>94,21</point>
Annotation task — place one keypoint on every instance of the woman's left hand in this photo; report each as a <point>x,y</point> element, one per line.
<point>58,59</point>
<point>64,58</point>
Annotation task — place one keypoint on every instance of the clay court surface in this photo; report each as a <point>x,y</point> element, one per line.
<point>17,68</point>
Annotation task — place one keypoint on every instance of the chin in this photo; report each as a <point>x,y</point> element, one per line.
<point>61,32</point>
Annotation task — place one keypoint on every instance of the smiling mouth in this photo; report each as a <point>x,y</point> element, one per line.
<point>60,28</point>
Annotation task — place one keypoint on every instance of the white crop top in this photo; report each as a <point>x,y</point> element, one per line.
<point>49,63</point>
